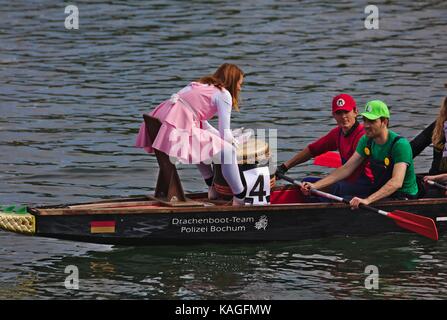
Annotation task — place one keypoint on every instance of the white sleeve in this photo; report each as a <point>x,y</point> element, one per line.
<point>224,103</point>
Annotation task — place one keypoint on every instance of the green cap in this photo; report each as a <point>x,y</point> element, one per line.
<point>376,109</point>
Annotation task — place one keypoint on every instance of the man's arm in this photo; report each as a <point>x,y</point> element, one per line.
<point>442,178</point>
<point>392,185</point>
<point>300,157</point>
<point>422,140</point>
<point>327,142</point>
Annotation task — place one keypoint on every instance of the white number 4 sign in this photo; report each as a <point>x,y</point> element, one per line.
<point>258,185</point>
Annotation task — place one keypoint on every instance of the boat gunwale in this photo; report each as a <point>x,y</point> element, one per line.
<point>222,208</point>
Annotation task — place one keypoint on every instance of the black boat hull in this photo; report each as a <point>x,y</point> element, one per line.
<point>145,221</point>
<point>241,226</point>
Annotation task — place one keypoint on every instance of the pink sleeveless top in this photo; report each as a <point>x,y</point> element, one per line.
<point>180,134</point>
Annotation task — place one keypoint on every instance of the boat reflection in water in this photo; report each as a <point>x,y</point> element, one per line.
<point>292,270</point>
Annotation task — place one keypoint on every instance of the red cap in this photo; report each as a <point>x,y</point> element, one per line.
<point>343,102</point>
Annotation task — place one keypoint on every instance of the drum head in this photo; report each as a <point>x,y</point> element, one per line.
<point>253,151</point>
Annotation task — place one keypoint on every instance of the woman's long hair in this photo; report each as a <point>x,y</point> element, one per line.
<point>438,136</point>
<point>226,76</point>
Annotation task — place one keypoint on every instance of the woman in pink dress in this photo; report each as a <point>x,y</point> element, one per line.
<point>185,134</point>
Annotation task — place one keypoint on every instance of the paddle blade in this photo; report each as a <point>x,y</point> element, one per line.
<point>422,225</point>
<point>329,159</point>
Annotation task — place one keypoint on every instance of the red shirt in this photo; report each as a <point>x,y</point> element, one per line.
<point>345,144</point>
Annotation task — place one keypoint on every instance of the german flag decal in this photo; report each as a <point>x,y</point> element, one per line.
<point>102,227</point>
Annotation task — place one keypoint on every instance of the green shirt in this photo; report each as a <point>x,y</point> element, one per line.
<point>401,152</point>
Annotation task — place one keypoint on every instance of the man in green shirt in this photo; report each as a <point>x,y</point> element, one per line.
<point>390,157</point>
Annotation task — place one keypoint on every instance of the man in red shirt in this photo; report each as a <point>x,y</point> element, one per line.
<point>343,138</point>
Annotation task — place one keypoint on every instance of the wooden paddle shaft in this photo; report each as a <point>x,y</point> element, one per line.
<point>340,199</point>
<point>334,197</point>
<point>433,183</point>
<point>317,192</point>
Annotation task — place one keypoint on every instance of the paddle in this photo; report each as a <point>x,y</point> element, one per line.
<point>438,185</point>
<point>410,221</point>
<point>330,159</point>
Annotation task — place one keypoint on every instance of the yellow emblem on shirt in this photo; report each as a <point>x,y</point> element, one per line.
<point>386,161</point>
<point>367,151</point>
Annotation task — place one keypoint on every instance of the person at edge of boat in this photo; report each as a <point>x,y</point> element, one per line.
<point>434,134</point>
<point>390,156</point>
<point>344,138</point>
<point>186,115</point>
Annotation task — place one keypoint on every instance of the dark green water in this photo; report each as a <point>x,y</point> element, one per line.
<point>409,268</point>
<point>71,103</point>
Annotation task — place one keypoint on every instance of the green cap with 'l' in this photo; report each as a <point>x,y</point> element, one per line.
<point>375,109</point>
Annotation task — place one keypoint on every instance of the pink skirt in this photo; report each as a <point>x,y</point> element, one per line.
<point>180,136</point>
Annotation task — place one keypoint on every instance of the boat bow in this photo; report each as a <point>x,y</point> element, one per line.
<point>24,223</point>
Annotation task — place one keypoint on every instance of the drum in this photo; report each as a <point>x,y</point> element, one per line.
<point>254,154</point>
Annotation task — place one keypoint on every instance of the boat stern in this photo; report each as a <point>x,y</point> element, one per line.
<point>23,223</point>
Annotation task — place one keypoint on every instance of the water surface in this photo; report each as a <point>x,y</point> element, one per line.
<point>71,102</point>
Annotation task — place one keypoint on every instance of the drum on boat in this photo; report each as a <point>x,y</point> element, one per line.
<point>253,160</point>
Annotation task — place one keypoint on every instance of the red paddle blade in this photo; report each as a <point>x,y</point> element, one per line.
<point>422,225</point>
<point>329,159</point>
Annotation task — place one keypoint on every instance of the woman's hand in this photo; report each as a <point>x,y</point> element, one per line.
<point>432,178</point>
<point>235,143</point>
<point>237,132</point>
<point>243,138</point>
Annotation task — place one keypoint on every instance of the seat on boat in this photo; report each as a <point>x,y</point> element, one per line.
<point>287,195</point>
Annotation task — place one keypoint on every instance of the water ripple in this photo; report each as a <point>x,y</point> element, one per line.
<point>71,104</point>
